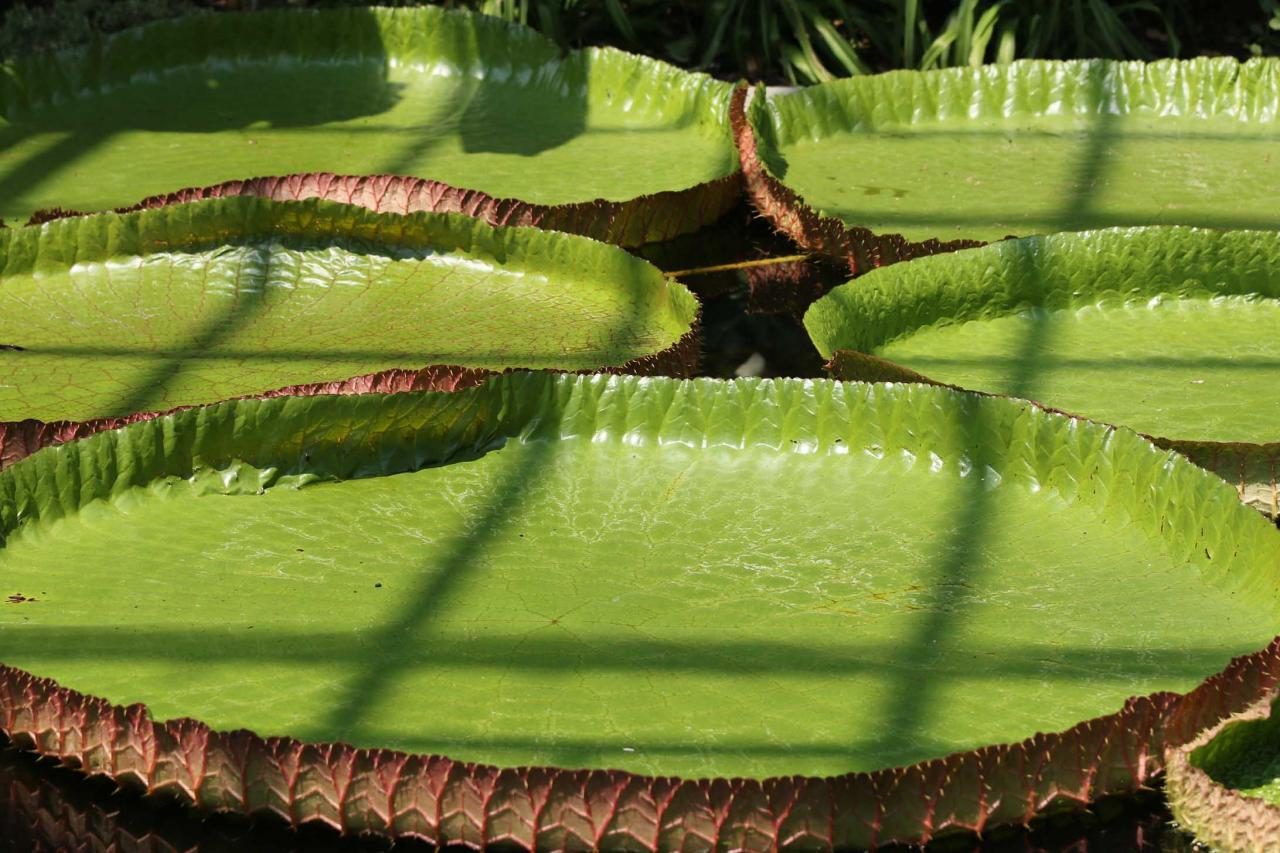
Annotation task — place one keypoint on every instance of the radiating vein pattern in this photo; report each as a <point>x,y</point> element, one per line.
<point>641,579</point>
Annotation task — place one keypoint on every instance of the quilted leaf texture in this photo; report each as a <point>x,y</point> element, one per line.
<point>19,439</point>
<point>1070,320</point>
<point>472,113</point>
<point>773,289</point>
<point>248,296</point>
<point>1254,469</point>
<point>881,168</point>
<point>400,793</point>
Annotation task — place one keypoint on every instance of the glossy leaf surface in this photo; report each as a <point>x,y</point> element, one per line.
<point>313,567</point>
<point>462,99</point>
<point>109,315</point>
<point>1034,147</point>
<point>1171,332</point>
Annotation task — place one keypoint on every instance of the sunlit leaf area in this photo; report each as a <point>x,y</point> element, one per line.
<point>623,425</point>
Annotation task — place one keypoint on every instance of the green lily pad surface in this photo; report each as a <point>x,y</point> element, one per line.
<point>1174,332</point>
<point>695,578</point>
<point>1033,147</point>
<point>109,315</point>
<point>1245,757</point>
<point>462,99</point>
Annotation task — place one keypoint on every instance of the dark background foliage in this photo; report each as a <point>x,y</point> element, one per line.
<point>782,41</point>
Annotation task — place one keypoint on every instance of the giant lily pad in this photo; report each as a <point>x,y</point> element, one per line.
<point>109,316</point>
<point>878,169</point>
<point>1169,331</point>
<point>492,114</point>
<point>863,601</point>
<point>1225,784</point>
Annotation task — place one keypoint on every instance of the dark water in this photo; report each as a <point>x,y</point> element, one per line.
<point>44,807</point>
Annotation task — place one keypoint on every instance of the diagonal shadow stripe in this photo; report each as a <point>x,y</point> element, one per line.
<point>444,578</point>
<point>912,699</point>
<point>25,176</point>
<point>150,392</point>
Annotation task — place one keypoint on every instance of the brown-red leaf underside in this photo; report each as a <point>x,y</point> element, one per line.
<point>1228,820</point>
<point>443,801</point>
<point>647,219</point>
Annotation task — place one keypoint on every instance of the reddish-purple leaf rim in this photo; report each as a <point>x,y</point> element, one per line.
<point>646,219</point>
<point>1218,815</point>
<point>857,248</point>
<point>436,799</point>
<point>446,801</point>
<point>253,211</point>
